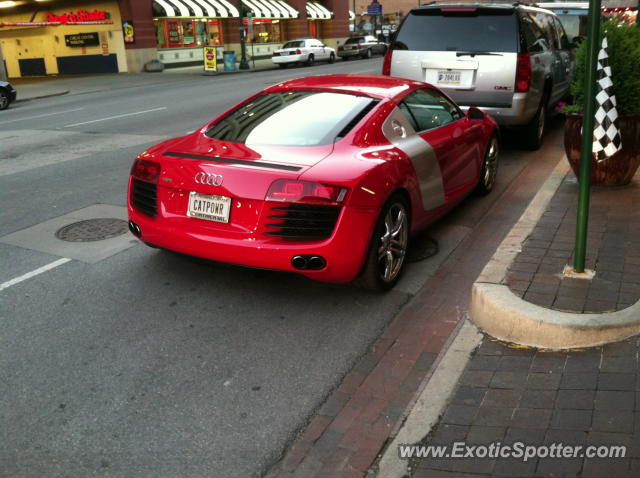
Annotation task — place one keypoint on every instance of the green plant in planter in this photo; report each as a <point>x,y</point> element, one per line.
<point>624,58</point>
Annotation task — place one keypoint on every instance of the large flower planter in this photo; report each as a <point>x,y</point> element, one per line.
<point>618,170</point>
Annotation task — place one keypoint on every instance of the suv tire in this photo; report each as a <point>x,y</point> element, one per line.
<point>534,131</point>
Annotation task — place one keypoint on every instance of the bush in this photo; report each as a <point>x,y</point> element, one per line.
<point>624,59</point>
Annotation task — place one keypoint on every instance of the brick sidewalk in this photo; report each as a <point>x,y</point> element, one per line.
<point>589,397</point>
<point>613,251</point>
<point>351,428</point>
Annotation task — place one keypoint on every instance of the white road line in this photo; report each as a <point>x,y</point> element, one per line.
<point>29,275</point>
<point>115,117</point>
<point>41,116</point>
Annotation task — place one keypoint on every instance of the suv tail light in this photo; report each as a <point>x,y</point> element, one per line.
<point>523,73</point>
<point>358,46</point>
<point>298,51</point>
<point>285,190</point>
<point>148,171</point>
<point>386,64</point>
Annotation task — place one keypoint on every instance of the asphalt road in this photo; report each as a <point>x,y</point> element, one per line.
<point>147,363</point>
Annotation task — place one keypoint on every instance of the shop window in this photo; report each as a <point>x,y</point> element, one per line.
<point>266,31</point>
<point>187,33</point>
<point>188,38</point>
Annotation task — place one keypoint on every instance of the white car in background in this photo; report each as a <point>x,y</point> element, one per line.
<point>303,50</point>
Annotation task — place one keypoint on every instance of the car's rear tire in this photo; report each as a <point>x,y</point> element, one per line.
<point>282,65</point>
<point>332,58</point>
<point>385,259</point>
<point>367,54</point>
<point>309,61</point>
<point>4,100</point>
<point>489,167</point>
<point>534,132</point>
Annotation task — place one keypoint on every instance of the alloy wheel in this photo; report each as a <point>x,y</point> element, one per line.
<point>392,245</point>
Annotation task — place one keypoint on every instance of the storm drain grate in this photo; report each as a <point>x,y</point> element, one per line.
<point>92,230</point>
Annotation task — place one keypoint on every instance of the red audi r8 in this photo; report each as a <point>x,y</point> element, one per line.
<point>327,176</point>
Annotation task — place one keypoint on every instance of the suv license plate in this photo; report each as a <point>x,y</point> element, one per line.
<point>211,208</point>
<point>449,77</point>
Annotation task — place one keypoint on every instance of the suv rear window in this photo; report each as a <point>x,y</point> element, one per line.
<point>294,118</point>
<point>473,29</point>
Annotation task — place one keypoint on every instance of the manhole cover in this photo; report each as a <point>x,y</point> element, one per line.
<point>422,248</point>
<point>92,230</point>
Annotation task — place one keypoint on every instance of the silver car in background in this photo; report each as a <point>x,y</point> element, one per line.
<point>361,46</point>
<point>513,61</point>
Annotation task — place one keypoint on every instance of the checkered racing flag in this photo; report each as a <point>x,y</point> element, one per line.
<point>606,132</point>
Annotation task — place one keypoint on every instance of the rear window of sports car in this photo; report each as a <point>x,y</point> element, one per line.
<point>293,118</point>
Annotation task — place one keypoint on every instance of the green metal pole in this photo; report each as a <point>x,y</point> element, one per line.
<point>244,64</point>
<point>593,45</point>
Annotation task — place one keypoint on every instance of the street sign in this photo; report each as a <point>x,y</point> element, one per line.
<point>210,59</point>
<point>374,9</point>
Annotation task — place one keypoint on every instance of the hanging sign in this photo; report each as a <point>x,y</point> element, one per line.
<point>210,60</point>
<point>128,31</point>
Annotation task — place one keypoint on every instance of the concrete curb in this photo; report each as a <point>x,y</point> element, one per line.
<point>431,401</point>
<point>59,93</point>
<point>500,313</point>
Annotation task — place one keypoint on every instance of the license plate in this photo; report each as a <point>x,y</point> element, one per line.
<point>449,77</point>
<point>283,53</point>
<point>209,207</point>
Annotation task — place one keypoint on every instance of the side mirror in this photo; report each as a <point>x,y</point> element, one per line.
<point>474,113</point>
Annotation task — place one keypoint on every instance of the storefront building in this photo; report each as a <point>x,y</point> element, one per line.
<point>82,38</point>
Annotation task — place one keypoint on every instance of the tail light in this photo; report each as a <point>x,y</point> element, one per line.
<point>298,51</point>
<point>386,64</point>
<point>358,46</point>
<point>340,48</point>
<point>523,73</point>
<point>275,53</point>
<point>145,170</point>
<point>284,190</point>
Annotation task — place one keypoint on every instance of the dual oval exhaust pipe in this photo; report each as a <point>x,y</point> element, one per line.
<point>308,263</point>
<point>135,229</point>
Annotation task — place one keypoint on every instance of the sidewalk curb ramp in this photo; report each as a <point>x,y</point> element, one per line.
<point>502,314</point>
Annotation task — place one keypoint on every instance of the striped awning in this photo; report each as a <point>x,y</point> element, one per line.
<point>195,8</point>
<point>270,9</point>
<point>315,11</point>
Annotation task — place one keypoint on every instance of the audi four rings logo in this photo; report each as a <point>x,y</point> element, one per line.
<point>209,179</point>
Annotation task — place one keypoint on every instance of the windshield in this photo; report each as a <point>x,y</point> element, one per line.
<point>294,118</point>
<point>479,30</point>
<point>293,44</point>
